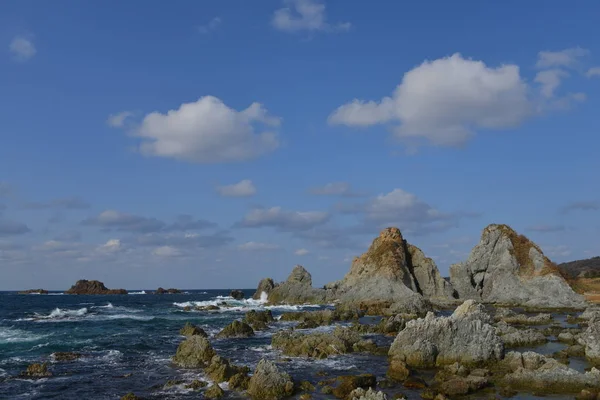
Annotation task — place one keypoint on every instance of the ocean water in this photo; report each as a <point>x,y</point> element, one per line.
<point>127,342</point>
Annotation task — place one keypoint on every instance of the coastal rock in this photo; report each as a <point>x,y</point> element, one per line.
<point>167,291</point>
<point>321,317</point>
<point>131,396</point>
<point>461,337</point>
<point>385,279</point>
<point>239,382</point>
<point>511,317</point>
<point>297,289</point>
<point>237,329</point>
<point>237,294</point>
<point>36,371</point>
<point>194,352</point>
<point>513,337</point>
<point>316,344</point>
<point>536,373</point>
<point>259,320</point>
<point>214,392</point>
<point>347,384</point>
<point>269,383</point>
<point>370,394</point>
<point>191,330</point>
<point>590,339</point>
<point>264,286</point>
<point>507,268</point>
<point>221,369</point>
<point>61,356</point>
<point>34,291</point>
<point>92,287</point>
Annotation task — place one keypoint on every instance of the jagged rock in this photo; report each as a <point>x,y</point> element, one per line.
<point>370,394</point>
<point>239,381</point>
<point>590,314</point>
<point>536,373</point>
<point>196,384</point>
<point>321,317</point>
<point>507,268</point>
<point>194,352</point>
<point>259,320</point>
<point>513,337</point>
<point>34,291</point>
<point>214,392</point>
<point>237,294</point>
<point>390,278</point>
<point>297,289</point>
<point>471,310</point>
<point>461,337</point>
<point>566,337</point>
<point>511,317</point>
<point>347,384</point>
<point>221,370</point>
<point>236,329</point>
<point>37,371</point>
<point>191,330</point>
<point>590,338</point>
<point>167,291</point>
<point>392,324</point>
<point>66,356</point>
<point>264,286</point>
<point>92,287</point>
<point>131,396</point>
<point>268,383</point>
<point>397,370</point>
<point>316,344</point>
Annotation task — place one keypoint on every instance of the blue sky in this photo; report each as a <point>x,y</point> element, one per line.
<point>210,144</point>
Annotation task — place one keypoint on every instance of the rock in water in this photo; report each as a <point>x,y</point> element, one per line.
<point>237,294</point>
<point>264,286</point>
<point>463,337</point>
<point>161,290</point>
<point>34,291</point>
<point>507,268</point>
<point>590,338</point>
<point>235,330</point>
<point>190,330</point>
<point>268,383</point>
<point>297,289</point>
<point>194,352</point>
<point>92,287</point>
<point>37,371</point>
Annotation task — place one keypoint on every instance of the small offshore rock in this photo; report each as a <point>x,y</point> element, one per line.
<point>239,381</point>
<point>347,384</point>
<point>66,356</point>
<point>37,371</point>
<point>131,396</point>
<point>316,344</point>
<point>237,329</point>
<point>84,286</point>
<point>194,352</point>
<point>214,392</point>
<point>259,320</point>
<point>269,383</point>
<point>34,291</point>
<point>237,294</point>
<point>190,330</point>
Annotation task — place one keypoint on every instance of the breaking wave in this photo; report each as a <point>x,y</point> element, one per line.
<point>10,335</point>
<point>229,304</point>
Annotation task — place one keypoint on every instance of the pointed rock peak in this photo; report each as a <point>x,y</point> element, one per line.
<point>391,233</point>
<point>300,275</point>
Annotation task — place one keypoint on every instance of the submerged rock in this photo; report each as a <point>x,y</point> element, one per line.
<point>194,352</point>
<point>508,268</point>
<point>36,371</point>
<point>190,330</point>
<point>237,329</point>
<point>66,356</point>
<point>269,383</point>
<point>536,373</point>
<point>92,287</point>
<point>463,337</point>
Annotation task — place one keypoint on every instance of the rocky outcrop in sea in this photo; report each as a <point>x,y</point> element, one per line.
<point>508,268</point>
<point>92,287</point>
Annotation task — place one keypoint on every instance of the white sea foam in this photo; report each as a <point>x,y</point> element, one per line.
<point>3,372</point>
<point>109,305</point>
<point>142,292</point>
<point>59,313</point>
<point>233,305</point>
<point>55,294</point>
<point>10,335</point>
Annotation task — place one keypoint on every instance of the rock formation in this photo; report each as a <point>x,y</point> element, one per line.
<point>297,289</point>
<point>264,286</point>
<point>269,383</point>
<point>34,291</point>
<point>463,337</point>
<point>194,352</point>
<point>237,294</point>
<point>167,291</point>
<point>92,287</point>
<point>236,329</point>
<point>507,268</point>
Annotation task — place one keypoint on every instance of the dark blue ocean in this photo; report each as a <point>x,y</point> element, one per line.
<point>127,342</point>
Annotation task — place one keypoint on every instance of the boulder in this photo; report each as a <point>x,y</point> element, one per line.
<point>461,337</point>
<point>36,371</point>
<point>385,279</point>
<point>321,317</point>
<point>259,320</point>
<point>370,394</point>
<point>214,392</point>
<point>316,344</point>
<point>194,352</point>
<point>507,268</point>
<point>269,383</point>
<point>191,330</point>
<point>534,372</point>
<point>590,339</point>
<point>92,287</point>
<point>347,384</point>
<point>221,369</point>
<point>237,294</point>
<point>237,329</point>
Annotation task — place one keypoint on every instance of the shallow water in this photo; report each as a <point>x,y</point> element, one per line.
<point>128,340</point>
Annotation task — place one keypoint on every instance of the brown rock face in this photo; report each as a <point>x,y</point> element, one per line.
<point>34,291</point>
<point>92,287</point>
<point>161,290</point>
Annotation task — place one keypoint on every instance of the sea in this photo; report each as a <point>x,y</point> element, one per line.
<point>127,342</point>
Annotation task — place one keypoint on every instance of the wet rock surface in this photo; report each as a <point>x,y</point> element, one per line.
<point>194,352</point>
<point>237,329</point>
<point>269,383</point>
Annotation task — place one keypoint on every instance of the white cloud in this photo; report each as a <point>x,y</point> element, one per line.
<point>167,251</point>
<point>301,252</point>
<point>118,120</point>
<point>276,217</point>
<point>594,71</point>
<point>550,80</point>
<point>244,188</point>
<point>211,26</point>
<point>563,58</point>
<point>444,101</point>
<point>305,15</point>
<point>22,48</point>
<point>110,247</point>
<point>208,131</point>
<point>258,246</point>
